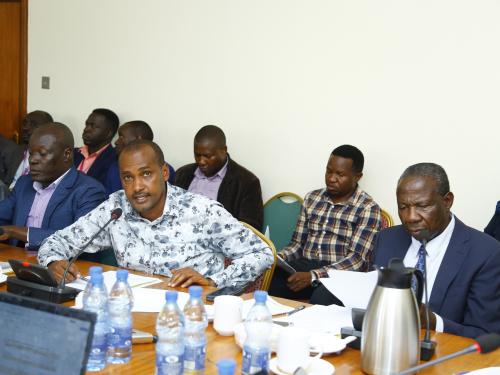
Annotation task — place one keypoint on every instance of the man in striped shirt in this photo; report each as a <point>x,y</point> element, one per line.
<point>335,229</point>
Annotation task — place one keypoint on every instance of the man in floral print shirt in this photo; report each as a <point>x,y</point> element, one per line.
<point>163,229</point>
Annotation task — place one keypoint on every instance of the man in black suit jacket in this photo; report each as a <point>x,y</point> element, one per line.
<point>11,155</point>
<point>16,161</point>
<point>218,177</point>
<point>463,264</point>
<point>97,154</point>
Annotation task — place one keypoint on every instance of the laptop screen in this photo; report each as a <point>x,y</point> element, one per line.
<point>43,338</point>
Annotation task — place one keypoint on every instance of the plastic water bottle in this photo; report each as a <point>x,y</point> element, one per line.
<point>226,366</point>
<point>96,300</point>
<point>92,270</point>
<point>120,305</point>
<point>170,330</point>
<point>195,340</point>
<point>258,325</point>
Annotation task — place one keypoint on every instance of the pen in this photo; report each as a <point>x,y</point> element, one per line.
<point>301,307</point>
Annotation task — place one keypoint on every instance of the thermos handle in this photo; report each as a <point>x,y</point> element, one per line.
<point>420,285</point>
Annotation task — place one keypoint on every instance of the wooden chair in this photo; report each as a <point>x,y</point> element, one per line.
<point>281,213</point>
<point>263,281</point>
<point>386,219</point>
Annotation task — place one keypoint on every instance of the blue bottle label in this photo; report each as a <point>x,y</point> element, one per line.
<point>169,364</point>
<point>194,358</point>
<point>255,361</point>
<point>120,337</point>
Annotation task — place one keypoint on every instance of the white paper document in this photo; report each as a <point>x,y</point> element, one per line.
<point>354,289</point>
<point>152,300</point>
<point>320,318</point>
<point>135,281</point>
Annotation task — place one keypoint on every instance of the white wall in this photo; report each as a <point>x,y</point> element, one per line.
<point>288,80</point>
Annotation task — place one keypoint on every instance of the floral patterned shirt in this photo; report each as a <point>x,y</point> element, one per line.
<point>193,231</point>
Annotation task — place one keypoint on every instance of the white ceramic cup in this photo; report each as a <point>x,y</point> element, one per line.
<point>293,350</point>
<point>227,314</point>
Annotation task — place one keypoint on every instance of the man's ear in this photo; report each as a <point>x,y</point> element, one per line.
<point>358,176</point>
<point>68,154</point>
<point>448,199</point>
<point>165,172</point>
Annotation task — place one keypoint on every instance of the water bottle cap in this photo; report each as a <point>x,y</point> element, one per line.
<point>260,296</point>
<point>226,366</point>
<point>171,296</point>
<point>122,275</point>
<point>96,278</point>
<point>95,269</point>
<point>195,291</point>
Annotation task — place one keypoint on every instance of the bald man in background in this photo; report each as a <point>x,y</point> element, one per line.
<point>18,164</point>
<point>127,133</point>
<point>53,195</point>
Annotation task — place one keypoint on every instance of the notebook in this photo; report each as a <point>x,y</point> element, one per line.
<point>42,338</point>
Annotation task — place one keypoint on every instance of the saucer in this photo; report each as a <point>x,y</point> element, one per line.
<point>326,343</point>
<point>317,367</point>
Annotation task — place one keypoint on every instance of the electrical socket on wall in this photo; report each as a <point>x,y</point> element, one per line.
<point>46,83</point>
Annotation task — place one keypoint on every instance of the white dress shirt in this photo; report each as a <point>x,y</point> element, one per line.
<point>436,248</point>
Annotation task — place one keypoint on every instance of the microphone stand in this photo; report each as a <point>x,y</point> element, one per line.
<point>115,214</point>
<point>484,344</point>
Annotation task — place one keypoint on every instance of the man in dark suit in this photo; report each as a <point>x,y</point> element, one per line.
<point>19,159</point>
<point>11,155</point>
<point>54,194</point>
<point>97,154</point>
<point>463,264</point>
<point>220,178</point>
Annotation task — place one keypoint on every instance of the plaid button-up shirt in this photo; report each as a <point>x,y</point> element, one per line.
<point>340,233</point>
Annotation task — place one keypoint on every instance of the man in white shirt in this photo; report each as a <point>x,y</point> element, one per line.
<point>463,264</point>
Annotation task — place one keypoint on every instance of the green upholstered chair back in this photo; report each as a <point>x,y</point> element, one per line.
<point>281,213</point>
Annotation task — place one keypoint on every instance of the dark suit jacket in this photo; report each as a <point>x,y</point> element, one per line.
<point>493,227</point>
<point>98,170</point>
<point>466,293</point>
<point>239,192</point>
<point>76,195</point>
<point>11,155</point>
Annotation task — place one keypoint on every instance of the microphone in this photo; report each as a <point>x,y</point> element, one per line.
<point>427,346</point>
<point>484,344</point>
<point>115,214</point>
<point>38,282</point>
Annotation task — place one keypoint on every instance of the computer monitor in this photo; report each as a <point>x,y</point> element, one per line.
<point>42,338</point>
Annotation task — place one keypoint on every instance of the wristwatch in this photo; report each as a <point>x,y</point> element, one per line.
<point>314,279</point>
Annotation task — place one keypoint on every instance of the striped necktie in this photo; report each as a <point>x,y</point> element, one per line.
<point>419,266</point>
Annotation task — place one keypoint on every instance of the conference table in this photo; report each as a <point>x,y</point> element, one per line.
<point>218,347</point>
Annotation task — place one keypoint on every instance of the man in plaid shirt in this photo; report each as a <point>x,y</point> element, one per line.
<point>335,229</point>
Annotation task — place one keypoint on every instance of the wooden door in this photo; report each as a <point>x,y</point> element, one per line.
<point>13,65</point>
